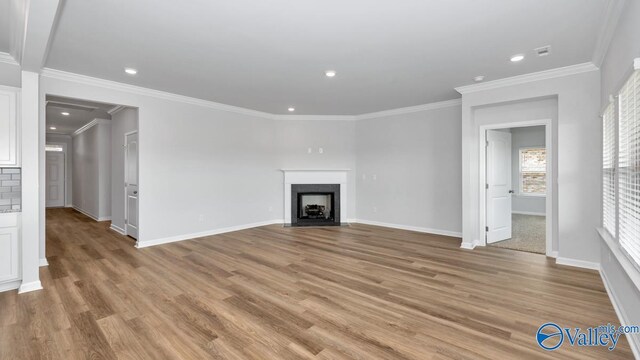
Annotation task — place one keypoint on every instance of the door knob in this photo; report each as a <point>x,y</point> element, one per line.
<point>135,193</point>
<point>510,191</point>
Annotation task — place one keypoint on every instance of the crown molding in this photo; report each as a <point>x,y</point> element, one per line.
<point>527,78</point>
<point>138,90</point>
<point>314,117</point>
<point>89,125</point>
<point>611,19</point>
<point>410,109</point>
<point>7,59</point>
<point>116,109</point>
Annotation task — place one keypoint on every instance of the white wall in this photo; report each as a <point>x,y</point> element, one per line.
<point>10,75</point>
<point>337,140</point>
<point>577,140</point>
<point>91,171</point>
<point>68,185</point>
<point>616,67</point>
<point>526,137</point>
<point>416,161</point>
<point>122,122</point>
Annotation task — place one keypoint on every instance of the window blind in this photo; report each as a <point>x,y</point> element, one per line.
<point>608,170</point>
<point>629,167</point>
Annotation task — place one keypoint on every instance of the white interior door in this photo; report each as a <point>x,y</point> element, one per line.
<point>498,189</point>
<point>131,184</point>
<point>54,179</point>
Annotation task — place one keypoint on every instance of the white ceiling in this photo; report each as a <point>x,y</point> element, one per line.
<point>269,55</point>
<point>81,113</point>
<point>5,30</point>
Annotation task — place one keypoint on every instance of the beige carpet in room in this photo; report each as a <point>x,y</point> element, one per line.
<point>528,234</point>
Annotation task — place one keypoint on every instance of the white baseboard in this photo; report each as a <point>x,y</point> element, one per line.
<point>528,213</point>
<point>411,228</point>
<point>633,339</point>
<point>94,217</point>
<point>469,246</point>
<point>84,212</point>
<point>147,243</point>
<point>578,263</point>
<point>12,285</point>
<point>117,229</point>
<point>44,262</point>
<point>554,254</point>
<point>32,286</point>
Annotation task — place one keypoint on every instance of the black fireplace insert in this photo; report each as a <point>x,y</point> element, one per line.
<point>315,204</point>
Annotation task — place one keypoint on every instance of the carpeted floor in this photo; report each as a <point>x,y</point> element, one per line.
<point>528,234</point>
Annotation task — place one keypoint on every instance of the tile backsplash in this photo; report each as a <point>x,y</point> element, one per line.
<point>10,189</point>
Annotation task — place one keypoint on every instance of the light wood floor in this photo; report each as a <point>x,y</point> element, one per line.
<point>358,292</point>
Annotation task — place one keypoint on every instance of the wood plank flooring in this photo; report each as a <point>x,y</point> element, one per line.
<point>358,292</point>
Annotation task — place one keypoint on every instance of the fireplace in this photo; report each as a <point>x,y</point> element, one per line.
<point>315,204</point>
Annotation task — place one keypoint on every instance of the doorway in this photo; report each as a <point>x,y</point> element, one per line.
<point>517,187</point>
<point>55,176</point>
<point>131,184</point>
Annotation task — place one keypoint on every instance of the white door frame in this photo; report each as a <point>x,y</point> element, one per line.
<point>126,213</point>
<point>482,210</point>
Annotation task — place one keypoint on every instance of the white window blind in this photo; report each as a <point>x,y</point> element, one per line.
<point>608,170</point>
<point>629,167</point>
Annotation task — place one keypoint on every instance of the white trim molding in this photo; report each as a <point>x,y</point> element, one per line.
<point>44,262</point>
<point>117,229</point>
<point>469,246</point>
<point>143,244</point>
<point>410,228</point>
<point>28,287</point>
<point>94,217</point>
<point>89,125</point>
<point>633,339</point>
<point>411,109</point>
<point>11,285</point>
<point>527,78</point>
<point>578,263</point>
<point>611,18</point>
<point>636,64</point>
<point>7,59</point>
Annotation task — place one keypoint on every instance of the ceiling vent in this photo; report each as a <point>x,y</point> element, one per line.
<point>543,51</point>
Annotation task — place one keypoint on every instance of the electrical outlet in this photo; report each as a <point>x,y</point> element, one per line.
<point>375,209</point>
<point>320,150</point>
<point>364,176</point>
<point>309,150</point>
<point>374,177</point>
<point>270,208</point>
<point>201,217</point>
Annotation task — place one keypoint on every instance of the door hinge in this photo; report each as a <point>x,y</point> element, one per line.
<point>487,143</point>
<point>486,229</point>
<point>486,186</point>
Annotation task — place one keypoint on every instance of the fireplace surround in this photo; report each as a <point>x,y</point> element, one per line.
<point>333,177</point>
<point>315,205</point>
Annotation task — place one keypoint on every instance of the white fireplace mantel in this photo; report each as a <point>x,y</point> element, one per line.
<point>315,176</point>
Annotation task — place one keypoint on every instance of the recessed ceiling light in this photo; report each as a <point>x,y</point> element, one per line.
<point>478,78</point>
<point>291,109</point>
<point>64,113</point>
<point>52,127</point>
<point>516,58</point>
<point>330,73</point>
<point>130,71</point>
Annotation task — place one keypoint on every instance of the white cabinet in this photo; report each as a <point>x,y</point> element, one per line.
<point>9,127</point>
<point>9,251</point>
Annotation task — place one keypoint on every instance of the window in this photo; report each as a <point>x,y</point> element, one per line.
<point>629,167</point>
<point>608,170</point>
<point>533,171</point>
<point>621,168</point>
